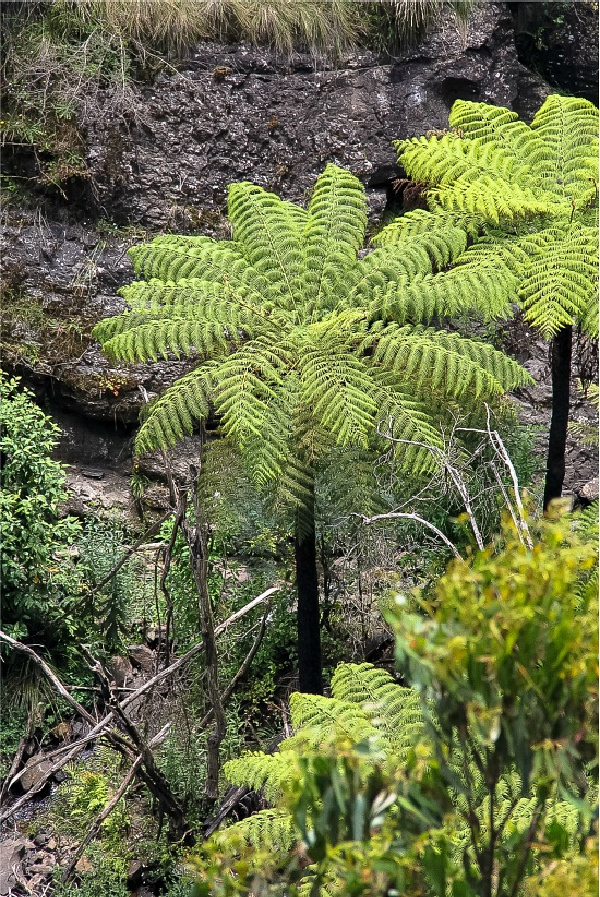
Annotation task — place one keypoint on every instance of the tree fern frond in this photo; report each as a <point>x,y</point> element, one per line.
<point>560,284</point>
<point>445,361</point>
<point>565,155</point>
<point>337,221</point>
<point>210,299</point>
<point>589,318</point>
<point>314,714</point>
<point>487,287</point>
<point>260,771</point>
<point>394,709</point>
<point>491,124</point>
<point>587,522</point>
<point>173,415</point>
<point>472,176</point>
<point>267,827</point>
<point>442,236</point>
<point>175,336</point>
<point>269,235</point>
<point>169,258</point>
<point>403,417</point>
<point>336,386</point>
<point>491,198</point>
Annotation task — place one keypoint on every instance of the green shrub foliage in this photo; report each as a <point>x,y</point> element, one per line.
<point>479,779</point>
<point>39,578</point>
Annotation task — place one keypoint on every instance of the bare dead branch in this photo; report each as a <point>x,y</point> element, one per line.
<point>395,515</point>
<point>14,766</point>
<point>242,670</point>
<point>62,691</point>
<point>99,728</point>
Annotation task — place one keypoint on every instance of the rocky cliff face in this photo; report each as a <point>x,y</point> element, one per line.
<point>230,113</point>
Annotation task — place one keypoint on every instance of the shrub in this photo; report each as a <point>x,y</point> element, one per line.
<point>39,578</point>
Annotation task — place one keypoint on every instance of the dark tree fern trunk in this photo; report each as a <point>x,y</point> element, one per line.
<point>309,625</point>
<point>561,375</point>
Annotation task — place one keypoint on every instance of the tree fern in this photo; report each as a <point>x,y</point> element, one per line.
<point>285,322</point>
<point>534,188</point>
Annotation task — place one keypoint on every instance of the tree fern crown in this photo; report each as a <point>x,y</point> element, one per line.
<point>539,184</point>
<point>300,344</point>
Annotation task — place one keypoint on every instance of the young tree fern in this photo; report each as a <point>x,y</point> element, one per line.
<point>302,346</point>
<point>534,188</point>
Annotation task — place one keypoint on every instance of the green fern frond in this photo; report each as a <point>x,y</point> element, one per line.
<point>172,258</point>
<point>589,318</point>
<point>314,715</point>
<point>438,360</point>
<point>501,169</point>
<point>491,198</point>
<point>336,386</point>
<point>268,772</point>
<point>565,155</point>
<point>337,214</point>
<point>248,394</point>
<point>328,885</point>
<point>587,522</point>
<point>491,124</point>
<point>394,709</point>
<point>472,285</point>
<point>443,237</point>
<point>402,417</point>
<point>175,336</point>
<point>269,235</point>
<point>174,414</point>
<point>287,322</point>
<point>560,284</point>
<point>273,828</point>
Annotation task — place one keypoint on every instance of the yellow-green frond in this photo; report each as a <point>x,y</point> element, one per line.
<point>175,336</point>
<point>561,283</point>
<point>487,288</point>
<point>269,235</point>
<point>443,237</point>
<point>260,771</point>
<point>336,387</point>
<point>565,155</point>
<point>177,258</point>
<point>313,716</point>
<point>490,124</point>
<point>174,414</point>
<point>334,231</point>
<point>394,709</point>
<point>446,362</point>
<point>272,829</point>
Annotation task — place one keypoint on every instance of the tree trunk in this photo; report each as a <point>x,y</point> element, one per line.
<point>309,625</point>
<point>561,375</point>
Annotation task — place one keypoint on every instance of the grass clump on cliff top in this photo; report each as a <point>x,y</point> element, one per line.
<point>171,26</point>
